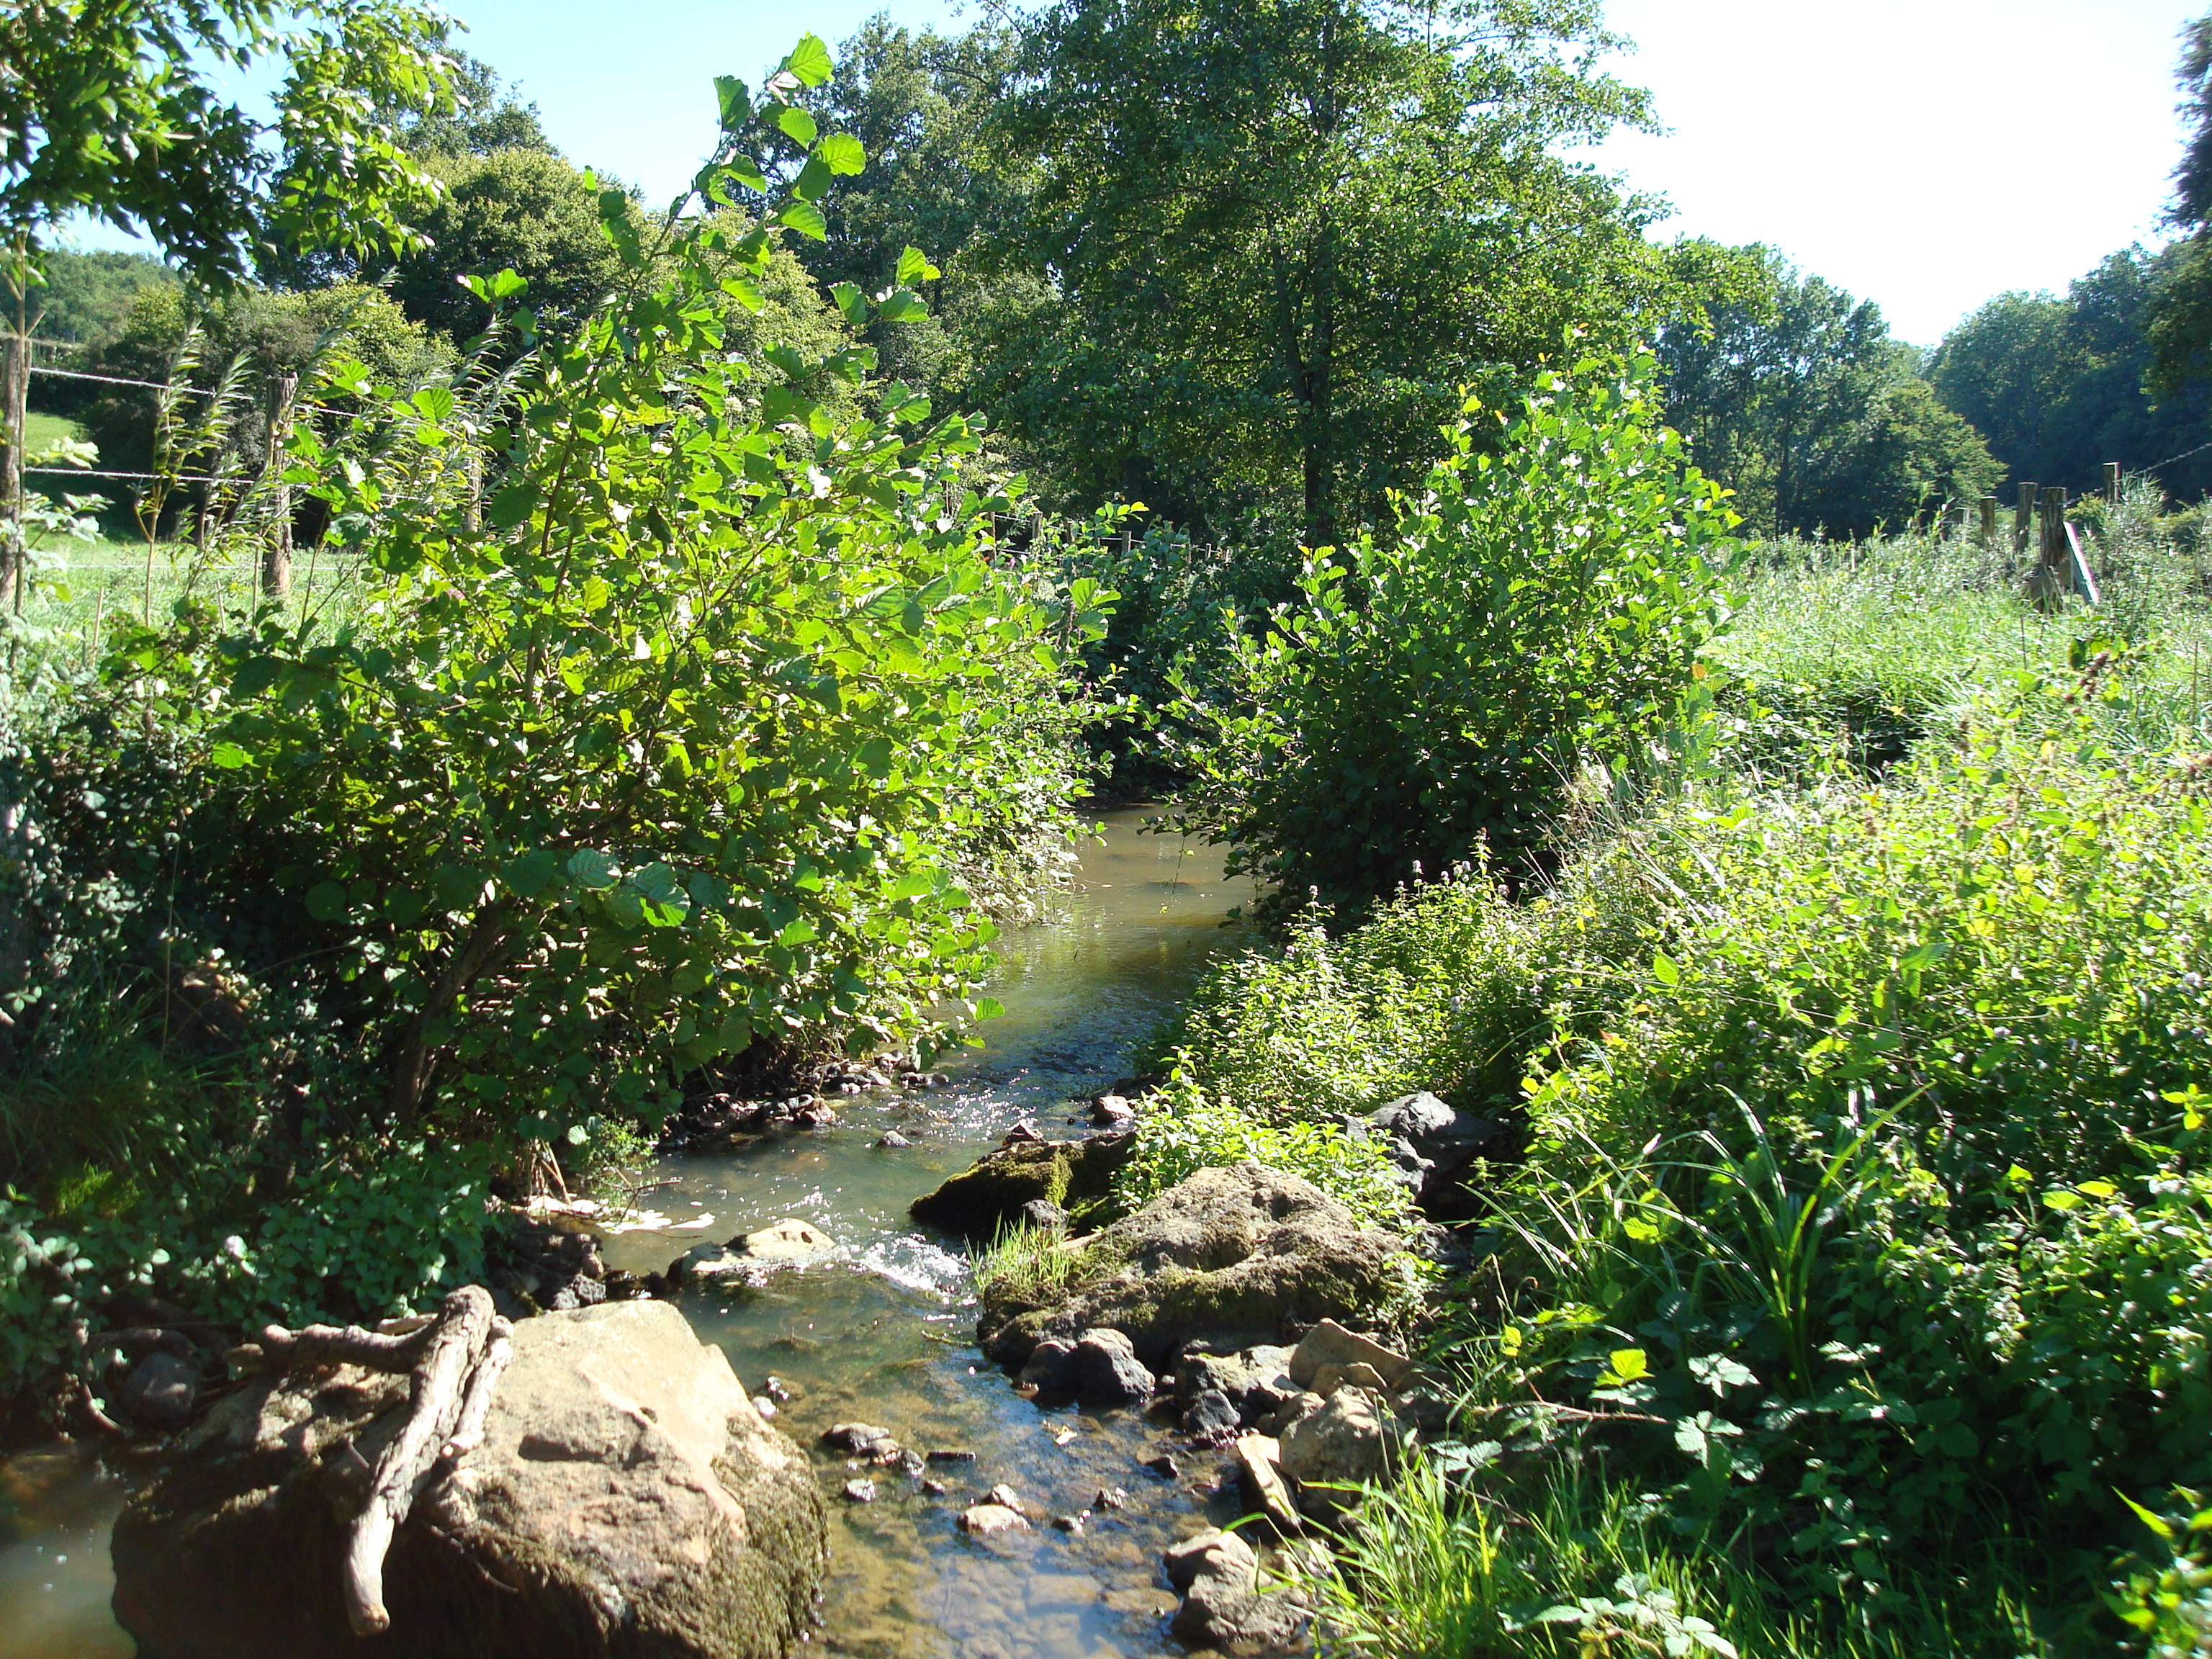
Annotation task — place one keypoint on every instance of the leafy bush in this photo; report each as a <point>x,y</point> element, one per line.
<point>679,747</point>
<point>1437,991</point>
<point>1185,1129</point>
<point>1433,692</point>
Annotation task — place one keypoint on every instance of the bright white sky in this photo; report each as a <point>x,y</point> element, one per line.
<point>1924,154</point>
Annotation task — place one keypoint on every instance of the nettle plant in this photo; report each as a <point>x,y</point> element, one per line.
<point>674,746</point>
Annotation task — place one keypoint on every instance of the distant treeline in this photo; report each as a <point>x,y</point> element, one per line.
<point>1238,266</point>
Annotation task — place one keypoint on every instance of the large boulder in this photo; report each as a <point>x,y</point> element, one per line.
<point>627,1499</point>
<point>1231,1257</point>
<point>991,1197</point>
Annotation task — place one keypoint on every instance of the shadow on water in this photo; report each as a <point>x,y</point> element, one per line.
<point>880,1331</point>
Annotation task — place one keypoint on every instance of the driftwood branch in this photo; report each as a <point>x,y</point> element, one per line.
<point>455,1361</point>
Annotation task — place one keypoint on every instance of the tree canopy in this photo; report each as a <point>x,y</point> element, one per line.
<point>116,111</point>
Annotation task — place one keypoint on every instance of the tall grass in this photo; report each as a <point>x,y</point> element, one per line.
<point>1572,1561</point>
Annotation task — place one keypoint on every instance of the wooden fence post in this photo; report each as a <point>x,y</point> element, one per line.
<point>1988,534</point>
<point>2048,583</point>
<point>2022,516</point>
<point>15,390</point>
<point>276,553</point>
<point>2112,483</point>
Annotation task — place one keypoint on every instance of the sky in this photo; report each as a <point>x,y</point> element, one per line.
<point>1923,153</point>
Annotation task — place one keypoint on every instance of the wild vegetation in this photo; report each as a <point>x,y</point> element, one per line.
<point>1568,628</point>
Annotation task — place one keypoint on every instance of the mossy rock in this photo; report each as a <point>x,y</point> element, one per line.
<point>1234,1257</point>
<point>981,1202</point>
<point>627,1501</point>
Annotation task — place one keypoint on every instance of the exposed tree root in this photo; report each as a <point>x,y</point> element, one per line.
<point>455,1361</point>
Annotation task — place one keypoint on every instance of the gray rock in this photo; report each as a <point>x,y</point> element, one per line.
<point>1108,1371</point>
<point>160,1391</point>
<point>1007,1498</point>
<point>1112,1109</point>
<point>861,1440</point>
<point>1222,1606</point>
<point>1051,1368</point>
<point>1212,1415</point>
<point>1259,1473</point>
<point>985,1519</point>
<point>893,1138</point>
<point>788,1239</point>
<point>1043,1216</point>
<point>1432,1145</point>
<point>860,1492</point>
<point>1211,1552</point>
<point>1329,1344</point>
<point>624,1478</point>
<point>1230,1256</point>
<point>1351,1440</point>
<point>1329,1378</point>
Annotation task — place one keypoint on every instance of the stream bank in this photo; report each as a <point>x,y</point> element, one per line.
<point>879,1329</point>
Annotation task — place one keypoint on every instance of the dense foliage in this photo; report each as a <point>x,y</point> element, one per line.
<point>1855,1223</point>
<point>668,708</point>
<point>1436,688</point>
<point>1795,397</point>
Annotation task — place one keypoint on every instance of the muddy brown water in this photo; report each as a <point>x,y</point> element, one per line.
<point>881,1330</point>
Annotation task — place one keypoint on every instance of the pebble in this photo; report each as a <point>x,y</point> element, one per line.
<point>1005,1497</point>
<point>987,1518</point>
<point>860,1492</point>
<point>1162,1465</point>
<point>934,1488</point>
<point>764,1406</point>
<point>1071,1523</point>
<point>777,1389</point>
<point>947,1455</point>
<point>893,1138</point>
<point>1109,1498</point>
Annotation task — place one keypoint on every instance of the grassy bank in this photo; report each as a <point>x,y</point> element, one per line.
<point>1844,1288</point>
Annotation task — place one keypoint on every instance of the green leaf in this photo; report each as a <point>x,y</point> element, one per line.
<point>1664,970</point>
<point>813,179</point>
<point>796,124</point>
<point>532,872</point>
<point>843,154</point>
<point>736,101</point>
<point>806,219</point>
<point>914,267</point>
<point>229,757</point>
<point>809,61</point>
<point>590,870</point>
<point>326,901</point>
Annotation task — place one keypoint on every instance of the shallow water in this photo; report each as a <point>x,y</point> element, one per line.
<point>880,1331</point>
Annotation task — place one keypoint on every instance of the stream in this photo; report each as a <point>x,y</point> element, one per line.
<point>880,1329</point>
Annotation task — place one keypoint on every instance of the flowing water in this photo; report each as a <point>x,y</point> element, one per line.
<point>880,1331</point>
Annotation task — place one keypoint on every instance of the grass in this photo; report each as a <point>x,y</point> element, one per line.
<point>40,430</point>
<point>1025,1264</point>
<point>1575,1563</point>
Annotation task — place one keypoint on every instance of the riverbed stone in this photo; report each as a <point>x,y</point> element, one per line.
<point>1108,1371</point>
<point>1052,1368</point>
<point>1351,1439</point>
<point>160,1391</point>
<point>788,1239</point>
<point>984,1519</point>
<point>1231,1256</point>
<point>1329,1378</point>
<point>1222,1607</point>
<point>1210,1416</point>
<point>988,1198</point>
<point>1329,1343</point>
<point>1259,1472</point>
<point>627,1500</point>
